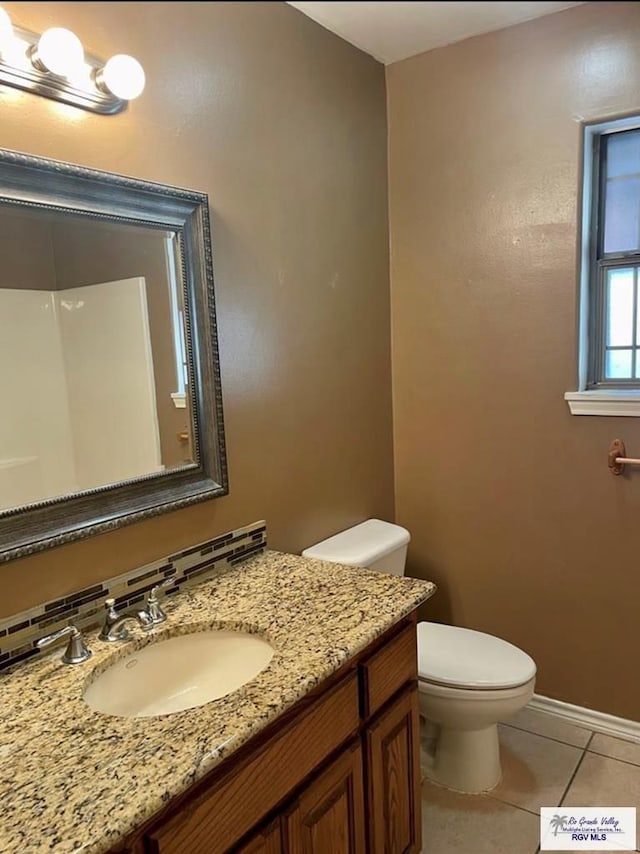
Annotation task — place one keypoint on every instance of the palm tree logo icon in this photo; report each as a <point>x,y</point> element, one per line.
<point>557,822</point>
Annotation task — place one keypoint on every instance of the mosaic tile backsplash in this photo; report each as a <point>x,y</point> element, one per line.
<point>85,608</point>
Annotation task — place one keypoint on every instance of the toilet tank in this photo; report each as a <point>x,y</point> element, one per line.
<point>374,543</point>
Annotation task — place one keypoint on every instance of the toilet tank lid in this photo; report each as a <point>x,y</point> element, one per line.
<point>361,545</point>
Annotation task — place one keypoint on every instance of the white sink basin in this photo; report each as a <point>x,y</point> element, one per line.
<point>179,673</point>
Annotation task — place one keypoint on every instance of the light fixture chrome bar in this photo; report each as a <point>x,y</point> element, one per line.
<point>17,70</point>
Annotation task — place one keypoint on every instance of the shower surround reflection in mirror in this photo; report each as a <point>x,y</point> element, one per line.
<point>93,374</point>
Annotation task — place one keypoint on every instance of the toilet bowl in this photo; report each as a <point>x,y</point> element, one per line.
<point>468,681</point>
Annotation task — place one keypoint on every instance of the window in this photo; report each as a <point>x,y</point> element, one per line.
<point>610,315</point>
<point>614,357</point>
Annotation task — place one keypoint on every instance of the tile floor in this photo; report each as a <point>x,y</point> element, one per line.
<point>545,762</point>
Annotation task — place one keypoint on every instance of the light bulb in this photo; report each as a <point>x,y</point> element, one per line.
<point>122,76</point>
<point>59,51</point>
<point>6,29</point>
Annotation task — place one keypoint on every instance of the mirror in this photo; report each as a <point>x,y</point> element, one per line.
<point>108,353</point>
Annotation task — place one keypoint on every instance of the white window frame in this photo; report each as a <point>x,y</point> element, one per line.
<point>585,401</point>
<point>179,397</point>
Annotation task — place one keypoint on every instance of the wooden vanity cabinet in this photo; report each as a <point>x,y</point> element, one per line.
<point>337,774</point>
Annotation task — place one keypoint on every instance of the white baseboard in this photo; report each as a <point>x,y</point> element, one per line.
<point>587,718</point>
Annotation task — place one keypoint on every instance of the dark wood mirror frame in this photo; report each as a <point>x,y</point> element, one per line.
<point>30,182</point>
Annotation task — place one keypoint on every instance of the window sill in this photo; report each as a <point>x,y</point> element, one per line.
<point>610,402</point>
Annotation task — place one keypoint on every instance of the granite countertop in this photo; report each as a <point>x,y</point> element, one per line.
<point>75,780</point>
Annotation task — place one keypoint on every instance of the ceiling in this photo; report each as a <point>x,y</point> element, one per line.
<point>394,31</point>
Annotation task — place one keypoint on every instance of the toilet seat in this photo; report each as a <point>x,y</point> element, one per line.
<point>463,658</point>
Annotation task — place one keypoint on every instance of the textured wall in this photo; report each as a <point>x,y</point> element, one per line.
<point>512,508</point>
<point>284,126</point>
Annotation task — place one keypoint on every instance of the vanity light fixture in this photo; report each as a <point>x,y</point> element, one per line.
<point>56,65</point>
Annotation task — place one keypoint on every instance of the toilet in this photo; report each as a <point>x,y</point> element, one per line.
<point>468,681</point>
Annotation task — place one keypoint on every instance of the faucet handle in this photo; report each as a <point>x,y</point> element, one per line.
<point>168,582</point>
<point>153,603</point>
<point>76,651</point>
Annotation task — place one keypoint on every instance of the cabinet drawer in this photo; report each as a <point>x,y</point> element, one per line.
<point>389,669</point>
<point>213,821</point>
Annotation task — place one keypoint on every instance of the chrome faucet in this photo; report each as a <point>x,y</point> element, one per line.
<point>76,651</point>
<point>114,628</point>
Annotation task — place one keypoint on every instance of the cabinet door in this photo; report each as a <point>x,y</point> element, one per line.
<point>329,814</point>
<point>268,841</point>
<point>393,778</point>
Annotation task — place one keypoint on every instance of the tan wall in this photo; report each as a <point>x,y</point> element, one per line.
<point>26,252</point>
<point>284,126</point>
<point>511,506</point>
